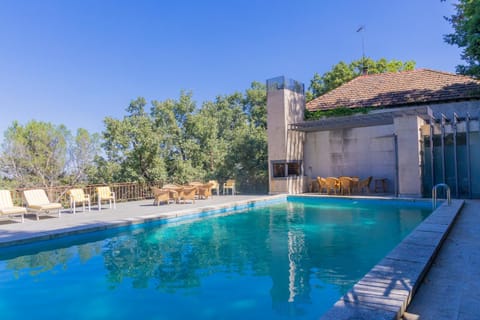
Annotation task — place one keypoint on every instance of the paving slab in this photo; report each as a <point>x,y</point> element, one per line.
<point>451,288</point>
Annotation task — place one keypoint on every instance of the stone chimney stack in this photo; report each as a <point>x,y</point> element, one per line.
<point>285,106</point>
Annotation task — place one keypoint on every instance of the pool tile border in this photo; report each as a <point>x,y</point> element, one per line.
<point>387,289</point>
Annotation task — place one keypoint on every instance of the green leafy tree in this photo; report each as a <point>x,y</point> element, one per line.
<point>42,154</point>
<point>132,147</point>
<point>82,152</point>
<point>255,104</point>
<point>172,120</point>
<point>466,23</point>
<point>343,72</point>
<point>35,154</point>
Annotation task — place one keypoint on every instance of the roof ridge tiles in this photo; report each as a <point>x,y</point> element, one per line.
<point>399,88</point>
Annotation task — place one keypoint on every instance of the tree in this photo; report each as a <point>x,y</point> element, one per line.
<point>342,73</point>
<point>82,152</point>
<point>42,154</point>
<point>466,23</point>
<point>132,147</point>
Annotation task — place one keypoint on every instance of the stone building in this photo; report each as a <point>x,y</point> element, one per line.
<point>411,129</point>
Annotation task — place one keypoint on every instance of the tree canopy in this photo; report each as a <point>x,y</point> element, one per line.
<point>466,23</point>
<point>177,141</point>
<point>43,154</point>
<point>343,72</point>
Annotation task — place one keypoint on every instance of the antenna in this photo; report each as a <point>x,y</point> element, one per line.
<point>362,30</point>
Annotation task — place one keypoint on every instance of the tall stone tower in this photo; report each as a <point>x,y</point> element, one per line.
<point>285,106</point>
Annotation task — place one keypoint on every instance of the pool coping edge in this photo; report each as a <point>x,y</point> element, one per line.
<point>387,289</point>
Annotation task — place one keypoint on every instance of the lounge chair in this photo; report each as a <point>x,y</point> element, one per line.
<point>7,209</point>
<point>78,196</point>
<point>105,194</point>
<point>37,201</point>
<point>187,193</point>
<point>332,184</point>
<point>230,184</point>
<point>161,195</point>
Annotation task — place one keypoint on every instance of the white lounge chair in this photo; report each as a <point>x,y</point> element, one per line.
<point>7,208</point>
<point>37,201</point>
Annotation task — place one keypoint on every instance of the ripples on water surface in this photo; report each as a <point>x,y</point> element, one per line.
<point>288,260</point>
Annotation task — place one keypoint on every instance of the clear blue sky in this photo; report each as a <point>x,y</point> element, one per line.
<point>74,62</point>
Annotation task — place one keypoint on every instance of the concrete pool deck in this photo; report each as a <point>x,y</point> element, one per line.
<point>449,289</point>
<point>126,213</point>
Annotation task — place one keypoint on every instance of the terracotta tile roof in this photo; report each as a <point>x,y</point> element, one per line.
<point>399,88</point>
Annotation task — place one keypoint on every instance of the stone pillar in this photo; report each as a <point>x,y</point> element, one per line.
<point>285,105</point>
<point>407,130</point>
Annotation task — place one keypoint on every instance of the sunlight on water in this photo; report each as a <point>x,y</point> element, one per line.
<point>290,260</point>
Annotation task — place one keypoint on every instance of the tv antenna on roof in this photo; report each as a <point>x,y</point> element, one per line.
<point>362,30</point>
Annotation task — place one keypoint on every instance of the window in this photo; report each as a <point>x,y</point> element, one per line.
<point>279,170</point>
<point>283,169</point>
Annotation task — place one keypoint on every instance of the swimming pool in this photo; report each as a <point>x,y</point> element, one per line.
<point>287,260</point>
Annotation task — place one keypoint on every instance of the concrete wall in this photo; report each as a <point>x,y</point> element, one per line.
<point>362,152</point>
<point>409,157</point>
<point>283,108</point>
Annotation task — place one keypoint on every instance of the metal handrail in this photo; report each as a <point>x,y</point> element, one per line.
<point>434,194</point>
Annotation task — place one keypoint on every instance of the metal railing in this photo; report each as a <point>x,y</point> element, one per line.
<point>434,194</point>
<point>127,191</point>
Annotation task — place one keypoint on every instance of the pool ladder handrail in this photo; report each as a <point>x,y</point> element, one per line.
<point>434,194</point>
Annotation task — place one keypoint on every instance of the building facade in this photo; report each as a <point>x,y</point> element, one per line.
<point>414,129</point>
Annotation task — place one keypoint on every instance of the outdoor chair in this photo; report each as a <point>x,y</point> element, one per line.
<point>229,185</point>
<point>161,195</point>
<point>187,193</point>
<point>7,209</point>
<point>322,184</point>
<point>78,196</point>
<point>332,183</point>
<point>364,185</point>
<point>204,191</point>
<point>214,186</point>
<point>105,194</point>
<point>174,191</point>
<point>37,201</point>
<point>346,185</point>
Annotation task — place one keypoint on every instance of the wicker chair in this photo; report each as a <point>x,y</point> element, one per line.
<point>204,191</point>
<point>174,191</point>
<point>187,193</point>
<point>215,186</point>
<point>332,184</point>
<point>364,185</point>
<point>346,185</point>
<point>322,184</point>
<point>161,195</point>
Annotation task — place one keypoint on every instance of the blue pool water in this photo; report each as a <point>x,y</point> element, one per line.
<point>290,260</point>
